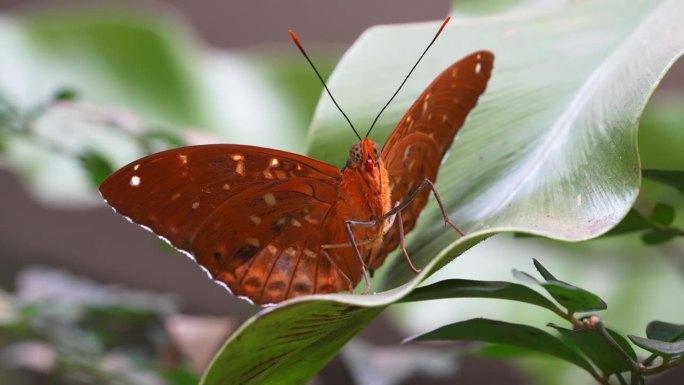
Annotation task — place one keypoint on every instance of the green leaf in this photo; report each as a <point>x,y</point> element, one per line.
<point>656,236</point>
<point>65,94</point>
<point>499,332</point>
<point>623,343</point>
<point>503,351</point>
<point>632,222</point>
<point>609,357</point>
<point>550,149</point>
<point>293,343</point>
<point>574,298</point>
<point>674,178</point>
<point>542,270</point>
<point>661,348</point>
<point>569,296</point>
<point>96,166</point>
<point>464,288</point>
<point>663,214</point>
<point>664,331</point>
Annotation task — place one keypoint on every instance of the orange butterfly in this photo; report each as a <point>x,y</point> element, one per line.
<point>273,225</point>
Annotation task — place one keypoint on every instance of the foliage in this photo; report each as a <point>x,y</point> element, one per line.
<point>589,344</point>
<point>64,329</point>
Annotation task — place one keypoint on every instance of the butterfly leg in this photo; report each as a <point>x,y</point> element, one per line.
<point>426,183</point>
<point>339,271</point>
<point>364,269</point>
<point>397,209</point>
<point>402,246</point>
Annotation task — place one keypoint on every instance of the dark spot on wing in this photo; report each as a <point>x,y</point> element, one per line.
<point>246,252</point>
<point>276,286</point>
<point>253,282</point>
<point>301,287</point>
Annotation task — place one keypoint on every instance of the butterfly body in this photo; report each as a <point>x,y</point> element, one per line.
<point>273,225</point>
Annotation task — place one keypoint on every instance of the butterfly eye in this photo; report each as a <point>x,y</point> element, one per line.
<point>355,153</point>
<point>376,151</point>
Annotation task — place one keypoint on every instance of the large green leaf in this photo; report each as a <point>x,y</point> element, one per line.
<point>550,150</point>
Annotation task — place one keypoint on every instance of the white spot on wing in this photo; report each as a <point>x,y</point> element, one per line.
<point>270,199</point>
<point>311,219</point>
<point>226,186</point>
<point>296,223</point>
<point>136,167</point>
<point>252,241</point>
<point>135,181</point>
<point>478,68</point>
<point>183,159</point>
<point>195,205</point>
<point>240,167</point>
<point>256,220</point>
<point>175,196</point>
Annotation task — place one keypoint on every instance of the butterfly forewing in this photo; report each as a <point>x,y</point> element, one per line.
<point>253,217</point>
<point>415,149</point>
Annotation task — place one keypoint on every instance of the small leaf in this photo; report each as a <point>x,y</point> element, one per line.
<point>65,94</point>
<point>464,288</point>
<point>661,348</point>
<point>525,277</point>
<point>664,331</point>
<point>632,222</point>
<point>523,336</point>
<point>657,237</point>
<point>663,214</point>
<point>608,357</point>
<point>674,178</point>
<point>96,166</point>
<point>542,270</point>
<point>623,343</point>
<point>569,296</point>
<point>574,298</point>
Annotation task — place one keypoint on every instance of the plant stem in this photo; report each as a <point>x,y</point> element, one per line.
<point>667,364</point>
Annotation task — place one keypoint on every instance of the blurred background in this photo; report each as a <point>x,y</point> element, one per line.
<point>225,71</point>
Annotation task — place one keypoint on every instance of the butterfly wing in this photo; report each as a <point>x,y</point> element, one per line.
<point>255,218</point>
<point>415,149</point>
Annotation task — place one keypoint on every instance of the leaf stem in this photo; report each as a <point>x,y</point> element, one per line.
<point>667,364</point>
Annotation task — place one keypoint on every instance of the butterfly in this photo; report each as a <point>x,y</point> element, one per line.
<point>273,225</point>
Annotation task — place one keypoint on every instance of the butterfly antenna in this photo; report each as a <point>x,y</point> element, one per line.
<point>299,45</point>
<point>409,74</point>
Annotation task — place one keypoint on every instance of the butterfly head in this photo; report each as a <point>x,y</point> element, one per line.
<point>365,153</point>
